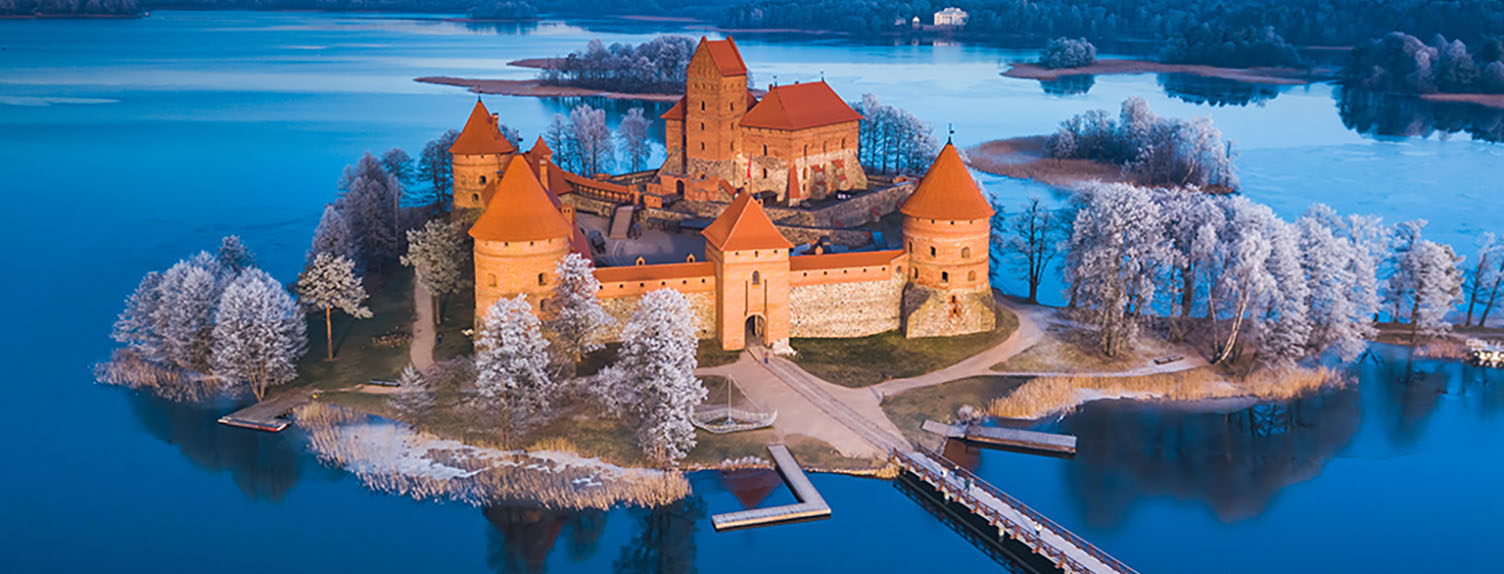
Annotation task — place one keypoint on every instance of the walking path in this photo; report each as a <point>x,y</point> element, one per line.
<point>797,413</point>
<point>421,349</point>
<point>1029,332</point>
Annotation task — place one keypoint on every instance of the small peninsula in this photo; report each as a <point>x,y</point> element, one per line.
<point>1108,67</point>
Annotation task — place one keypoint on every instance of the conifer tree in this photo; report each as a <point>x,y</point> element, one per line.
<point>330,283</point>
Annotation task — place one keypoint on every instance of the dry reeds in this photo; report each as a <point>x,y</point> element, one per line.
<point>1043,396</point>
<point>392,457</point>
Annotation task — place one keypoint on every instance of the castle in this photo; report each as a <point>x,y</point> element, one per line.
<point>752,287</point>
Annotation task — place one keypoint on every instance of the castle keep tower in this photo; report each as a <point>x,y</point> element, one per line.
<point>752,277</point>
<point>946,232</point>
<point>701,130</point>
<point>479,155</point>
<point>519,240</point>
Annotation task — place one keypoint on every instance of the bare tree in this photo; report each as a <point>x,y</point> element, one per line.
<point>591,139</point>
<point>1484,272</point>
<point>1036,233</point>
<point>435,167</point>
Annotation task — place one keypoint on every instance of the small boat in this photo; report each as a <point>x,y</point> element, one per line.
<point>1485,353</point>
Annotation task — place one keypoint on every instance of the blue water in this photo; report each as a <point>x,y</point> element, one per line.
<point>125,145</point>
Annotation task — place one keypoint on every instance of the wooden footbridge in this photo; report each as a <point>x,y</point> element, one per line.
<point>811,505</point>
<point>1012,520</point>
<point>1009,438</point>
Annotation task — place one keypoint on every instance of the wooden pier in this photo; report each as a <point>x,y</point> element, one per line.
<point>1011,520</point>
<point>811,505</point>
<point>1048,443</point>
<point>267,415</point>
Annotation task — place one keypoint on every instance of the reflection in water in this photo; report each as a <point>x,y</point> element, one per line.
<point>665,541</point>
<point>1234,461</point>
<point>1384,114</point>
<point>502,27</point>
<point>1069,85</point>
<point>751,486</point>
<point>523,536</point>
<point>1411,389</point>
<point>264,465</point>
<point>1216,91</point>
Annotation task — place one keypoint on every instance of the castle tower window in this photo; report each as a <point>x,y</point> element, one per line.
<point>756,278</point>
<point>764,150</point>
<point>945,277</point>
<point>491,279</point>
<point>733,106</point>
<point>702,108</point>
<point>971,275</point>
<point>702,146</point>
<point>764,170</point>
<point>702,126</point>
<point>542,279</point>
<point>475,197</point>
<point>483,179</point>
<point>932,251</point>
<point>966,253</point>
<point>843,143</point>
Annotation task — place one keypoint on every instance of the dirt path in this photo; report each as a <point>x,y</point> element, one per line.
<point>797,414</point>
<point>421,350</point>
<point>1029,332</point>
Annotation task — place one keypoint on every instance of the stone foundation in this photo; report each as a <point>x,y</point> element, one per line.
<point>842,310</point>
<point>621,308</point>
<point>929,312</point>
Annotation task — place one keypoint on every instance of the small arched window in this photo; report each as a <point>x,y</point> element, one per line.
<point>932,251</point>
<point>945,277</point>
<point>483,179</point>
<point>702,146</point>
<point>843,143</point>
<point>702,108</point>
<point>806,149</point>
<point>490,279</point>
<point>764,173</point>
<point>756,278</point>
<point>475,197</point>
<point>733,106</point>
<point>966,253</point>
<point>702,126</point>
<point>764,149</point>
<point>542,279</point>
<point>971,275</point>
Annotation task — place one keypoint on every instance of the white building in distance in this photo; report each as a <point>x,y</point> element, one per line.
<point>951,16</point>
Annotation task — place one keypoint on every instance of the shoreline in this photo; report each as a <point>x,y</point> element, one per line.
<point>1024,158</point>
<point>1110,67</point>
<point>535,88</point>
<point>1494,101</point>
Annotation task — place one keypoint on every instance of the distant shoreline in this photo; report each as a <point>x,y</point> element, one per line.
<point>1107,67</point>
<point>536,88</point>
<point>1495,101</point>
<point>1025,158</point>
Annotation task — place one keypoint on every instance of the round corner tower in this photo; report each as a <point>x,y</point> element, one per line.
<point>478,155</point>
<point>946,232</point>
<point>519,240</point>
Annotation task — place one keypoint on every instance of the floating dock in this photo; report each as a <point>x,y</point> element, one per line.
<point>993,513</point>
<point>811,505</point>
<point>268,414</point>
<point>1048,443</point>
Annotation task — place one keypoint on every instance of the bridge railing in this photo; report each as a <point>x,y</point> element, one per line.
<point>1021,508</point>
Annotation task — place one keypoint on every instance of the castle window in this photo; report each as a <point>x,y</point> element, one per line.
<point>764,150</point>
<point>483,180</point>
<point>932,251</point>
<point>843,142</point>
<point>702,108</point>
<point>733,106</point>
<point>543,305</point>
<point>542,279</point>
<point>966,253</point>
<point>824,146</point>
<point>806,149</point>
<point>756,278</point>
<point>491,279</point>
<point>971,275</point>
<point>764,172</point>
<point>911,246</point>
<point>945,277</point>
<point>702,146</point>
<point>475,197</point>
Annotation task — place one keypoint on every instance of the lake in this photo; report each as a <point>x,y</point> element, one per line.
<point>128,144</point>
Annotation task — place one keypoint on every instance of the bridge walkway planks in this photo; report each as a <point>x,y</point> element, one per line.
<point>811,505</point>
<point>1005,437</point>
<point>267,415</point>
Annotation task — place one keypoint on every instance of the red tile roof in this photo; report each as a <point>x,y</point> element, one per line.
<point>654,272</point>
<point>744,225</point>
<point>728,60</point>
<point>947,192</point>
<point>521,209</point>
<point>539,147</point>
<point>799,106</point>
<point>481,135</point>
<point>844,260</point>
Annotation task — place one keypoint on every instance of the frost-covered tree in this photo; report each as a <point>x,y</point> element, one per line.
<point>184,315</point>
<point>1437,286</point>
<point>413,398</point>
<point>558,136</point>
<point>330,283</point>
<point>1285,327</point>
<point>234,255</point>
<point>1484,274</point>
<point>1068,53</point>
<point>333,237</point>
<point>1400,288</point>
<point>590,138</point>
<point>577,316</point>
<point>512,360</point>
<point>258,333</point>
<point>400,165</point>
<point>653,379</point>
<point>1340,300</point>
<point>435,167</point>
<point>436,252</point>
<point>634,138</point>
<point>1116,250</point>
<point>368,204</point>
<point>892,140</point>
<point>134,327</point>
<point>1035,235</point>
<point>1245,287</point>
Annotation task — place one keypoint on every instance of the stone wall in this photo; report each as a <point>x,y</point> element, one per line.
<point>855,309</point>
<point>931,312</point>
<point>621,308</point>
<point>853,212</point>
<point>589,204</point>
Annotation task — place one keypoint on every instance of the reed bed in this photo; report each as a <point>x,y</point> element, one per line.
<point>392,457</point>
<point>128,369</point>
<point>1044,396</point>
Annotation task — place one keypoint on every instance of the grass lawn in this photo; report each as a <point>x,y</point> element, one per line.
<point>909,410</point>
<point>873,359</point>
<point>1053,355</point>
<point>357,359</point>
